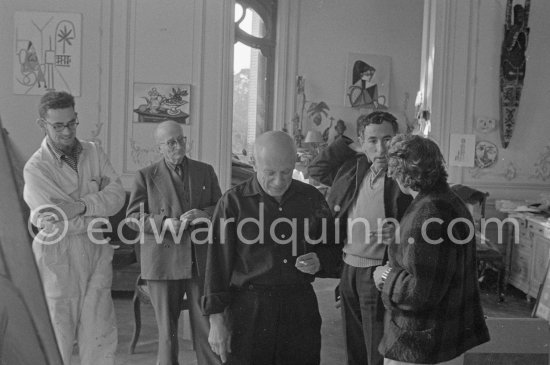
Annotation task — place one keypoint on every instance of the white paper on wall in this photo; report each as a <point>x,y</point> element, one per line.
<point>462,150</point>
<point>47,52</point>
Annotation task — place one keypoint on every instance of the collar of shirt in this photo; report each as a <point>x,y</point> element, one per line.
<point>59,154</point>
<point>252,187</point>
<point>173,166</point>
<point>374,176</point>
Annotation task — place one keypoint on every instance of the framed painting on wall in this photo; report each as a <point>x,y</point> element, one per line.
<point>47,52</point>
<point>155,103</point>
<point>368,81</point>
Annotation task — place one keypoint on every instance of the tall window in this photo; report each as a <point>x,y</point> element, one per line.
<point>253,70</point>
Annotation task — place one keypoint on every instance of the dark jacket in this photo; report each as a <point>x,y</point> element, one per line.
<point>432,290</point>
<point>155,191</point>
<point>341,168</point>
<point>254,245</point>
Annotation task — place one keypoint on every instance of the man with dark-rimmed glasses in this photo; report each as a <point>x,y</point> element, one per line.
<point>69,184</point>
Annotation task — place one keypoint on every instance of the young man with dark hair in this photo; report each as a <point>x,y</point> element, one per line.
<point>360,191</point>
<point>69,184</point>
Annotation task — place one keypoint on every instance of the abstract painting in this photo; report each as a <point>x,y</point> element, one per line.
<point>47,52</point>
<point>368,81</point>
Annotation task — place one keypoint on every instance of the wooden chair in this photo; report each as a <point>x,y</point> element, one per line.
<point>141,295</point>
<point>489,256</point>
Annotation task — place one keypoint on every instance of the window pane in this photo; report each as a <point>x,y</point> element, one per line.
<point>249,98</point>
<point>253,24</point>
<point>238,11</point>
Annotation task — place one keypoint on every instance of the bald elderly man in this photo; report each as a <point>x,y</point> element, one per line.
<point>268,245</point>
<point>173,196</point>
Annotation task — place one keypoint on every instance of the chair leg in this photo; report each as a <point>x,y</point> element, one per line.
<point>137,323</point>
<point>500,286</point>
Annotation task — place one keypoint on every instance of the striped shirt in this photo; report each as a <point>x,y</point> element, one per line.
<point>71,158</point>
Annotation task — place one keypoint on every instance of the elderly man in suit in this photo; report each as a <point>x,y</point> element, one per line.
<point>171,201</point>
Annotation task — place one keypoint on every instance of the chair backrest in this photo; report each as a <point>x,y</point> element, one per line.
<point>475,200</point>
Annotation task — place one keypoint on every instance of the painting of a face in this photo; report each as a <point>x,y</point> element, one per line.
<point>486,154</point>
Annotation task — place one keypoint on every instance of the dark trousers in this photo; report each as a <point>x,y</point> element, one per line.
<point>275,327</point>
<point>363,314</point>
<point>167,297</point>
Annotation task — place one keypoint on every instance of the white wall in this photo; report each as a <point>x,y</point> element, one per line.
<point>330,30</point>
<point>467,88</point>
<point>128,41</point>
<point>167,41</point>
<point>19,112</point>
<point>523,169</point>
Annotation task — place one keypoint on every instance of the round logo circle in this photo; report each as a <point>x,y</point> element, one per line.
<point>51,222</point>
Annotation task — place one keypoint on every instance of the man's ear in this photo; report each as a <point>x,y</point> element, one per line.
<point>42,124</point>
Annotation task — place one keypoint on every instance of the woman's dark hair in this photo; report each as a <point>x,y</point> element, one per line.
<point>359,67</point>
<point>377,117</point>
<point>54,100</point>
<point>417,162</point>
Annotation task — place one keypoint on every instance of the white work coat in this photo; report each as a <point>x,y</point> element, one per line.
<point>77,271</point>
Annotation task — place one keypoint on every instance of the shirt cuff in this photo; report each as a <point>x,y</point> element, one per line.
<point>215,303</point>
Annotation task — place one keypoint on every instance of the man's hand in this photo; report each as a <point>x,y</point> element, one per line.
<point>377,276</point>
<point>190,216</point>
<point>46,222</point>
<point>386,235</point>
<point>308,263</point>
<point>173,225</point>
<point>219,336</point>
<point>103,182</point>
<point>69,209</point>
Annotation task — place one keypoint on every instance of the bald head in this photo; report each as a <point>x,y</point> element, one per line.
<point>275,157</point>
<point>167,127</point>
<point>275,145</point>
<point>171,141</point>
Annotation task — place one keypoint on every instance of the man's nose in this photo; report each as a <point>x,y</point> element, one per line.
<point>279,179</point>
<point>381,147</point>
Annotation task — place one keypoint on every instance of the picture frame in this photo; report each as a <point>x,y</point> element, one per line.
<point>47,52</point>
<point>155,103</point>
<point>368,81</point>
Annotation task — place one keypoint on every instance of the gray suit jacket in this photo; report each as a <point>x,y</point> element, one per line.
<point>154,198</point>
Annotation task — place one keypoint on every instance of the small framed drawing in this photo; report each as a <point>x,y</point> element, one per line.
<point>155,103</point>
<point>47,54</point>
<point>368,81</point>
<point>462,150</point>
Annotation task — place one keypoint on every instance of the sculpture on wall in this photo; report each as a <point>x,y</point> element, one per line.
<point>512,67</point>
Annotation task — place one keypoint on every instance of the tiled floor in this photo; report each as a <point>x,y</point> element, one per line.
<point>145,353</point>
<point>332,352</point>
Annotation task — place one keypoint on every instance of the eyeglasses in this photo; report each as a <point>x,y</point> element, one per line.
<point>60,127</point>
<point>171,143</point>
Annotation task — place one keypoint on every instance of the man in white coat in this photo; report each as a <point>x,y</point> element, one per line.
<point>71,187</point>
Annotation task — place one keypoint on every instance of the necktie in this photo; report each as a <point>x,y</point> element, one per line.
<point>179,171</point>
